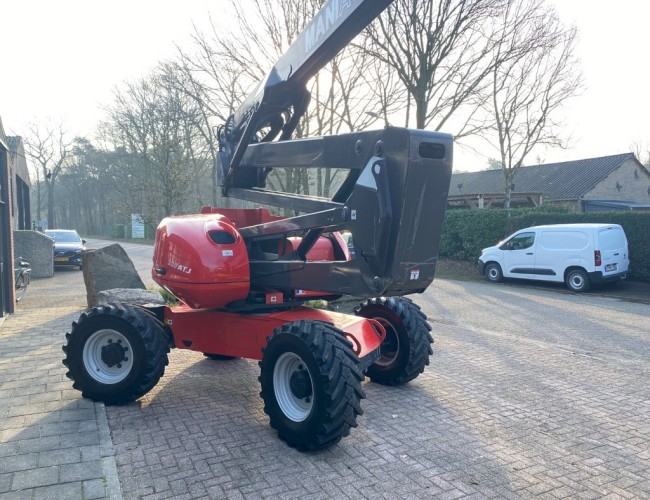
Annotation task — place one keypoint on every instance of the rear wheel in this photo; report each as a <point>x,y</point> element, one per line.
<point>311,384</point>
<point>405,352</point>
<point>577,280</point>
<point>493,273</point>
<point>115,353</point>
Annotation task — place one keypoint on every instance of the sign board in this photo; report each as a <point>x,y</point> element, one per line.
<point>137,226</point>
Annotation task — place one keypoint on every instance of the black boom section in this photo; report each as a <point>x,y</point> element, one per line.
<point>394,208</point>
<point>281,99</point>
<point>393,197</point>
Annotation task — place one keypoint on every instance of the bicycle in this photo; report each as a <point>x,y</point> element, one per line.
<point>23,273</point>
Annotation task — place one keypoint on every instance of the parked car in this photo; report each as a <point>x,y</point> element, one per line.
<point>577,254</point>
<point>68,246</point>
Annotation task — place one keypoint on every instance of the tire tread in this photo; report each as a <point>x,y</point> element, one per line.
<point>341,376</point>
<point>150,331</point>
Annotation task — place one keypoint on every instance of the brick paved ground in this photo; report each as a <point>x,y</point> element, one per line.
<point>531,393</point>
<point>53,444</point>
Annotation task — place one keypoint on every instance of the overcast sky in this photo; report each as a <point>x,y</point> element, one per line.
<point>61,60</point>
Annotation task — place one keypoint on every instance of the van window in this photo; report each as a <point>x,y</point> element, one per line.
<point>611,238</point>
<point>520,242</point>
<point>564,240</point>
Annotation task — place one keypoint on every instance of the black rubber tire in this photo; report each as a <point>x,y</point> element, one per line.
<point>218,357</point>
<point>405,351</point>
<point>577,280</point>
<point>493,273</point>
<point>148,347</point>
<point>334,403</point>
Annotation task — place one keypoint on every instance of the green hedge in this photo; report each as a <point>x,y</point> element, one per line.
<point>466,232</point>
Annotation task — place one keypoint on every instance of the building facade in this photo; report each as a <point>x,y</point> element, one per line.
<point>617,182</point>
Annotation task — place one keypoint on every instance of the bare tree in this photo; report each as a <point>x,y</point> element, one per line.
<point>153,126</point>
<point>641,150</point>
<point>442,52</point>
<point>48,147</point>
<point>529,87</point>
<point>229,65</point>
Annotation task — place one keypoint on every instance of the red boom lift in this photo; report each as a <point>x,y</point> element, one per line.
<point>243,276</point>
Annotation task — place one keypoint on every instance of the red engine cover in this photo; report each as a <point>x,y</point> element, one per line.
<point>202,260</point>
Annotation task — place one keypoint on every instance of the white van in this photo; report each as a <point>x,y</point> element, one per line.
<point>577,254</point>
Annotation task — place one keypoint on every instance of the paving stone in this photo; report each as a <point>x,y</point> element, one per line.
<point>27,494</point>
<point>59,457</point>
<point>81,471</point>
<point>68,490</point>
<point>5,482</point>
<point>34,477</point>
<point>93,489</point>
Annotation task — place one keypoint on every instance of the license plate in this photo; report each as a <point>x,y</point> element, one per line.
<point>60,259</point>
<point>610,267</point>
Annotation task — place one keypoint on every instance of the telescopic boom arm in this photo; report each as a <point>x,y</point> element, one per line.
<point>281,99</point>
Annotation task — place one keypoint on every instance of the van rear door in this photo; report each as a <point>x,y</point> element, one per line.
<point>612,245</point>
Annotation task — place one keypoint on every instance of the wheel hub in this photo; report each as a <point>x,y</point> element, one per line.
<point>389,348</point>
<point>300,384</point>
<point>293,387</point>
<point>113,354</point>
<point>108,356</point>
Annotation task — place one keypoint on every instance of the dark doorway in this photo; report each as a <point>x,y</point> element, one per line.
<point>5,237</point>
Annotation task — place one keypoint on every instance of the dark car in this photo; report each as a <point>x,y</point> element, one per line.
<point>67,247</point>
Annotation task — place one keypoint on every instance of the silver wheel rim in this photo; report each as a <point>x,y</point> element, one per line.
<point>493,273</point>
<point>293,407</point>
<point>387,358</point>
<point>96,366</point>
<point>577,281</point>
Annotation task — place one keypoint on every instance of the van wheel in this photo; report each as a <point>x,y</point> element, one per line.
<point>577,280</point>
<point>493,273</point>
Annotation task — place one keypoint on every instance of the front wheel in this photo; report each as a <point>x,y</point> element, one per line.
<point>405,352</point>
<point>577,280</point>
<point>311,384</point>
<point>115,353</point>
<point>493,273</point>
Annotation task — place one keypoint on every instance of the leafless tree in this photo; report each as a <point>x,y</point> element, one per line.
<point>529,86</point>
<point>153,125</point>
<point>48,146</point>
<point>229,63</point>
<point>641,150</point>
<point>442,52</point>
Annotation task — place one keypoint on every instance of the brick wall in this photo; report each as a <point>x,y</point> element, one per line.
<point>623,184</point>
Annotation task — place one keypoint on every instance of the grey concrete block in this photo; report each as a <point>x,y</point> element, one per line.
<point>38,250</point>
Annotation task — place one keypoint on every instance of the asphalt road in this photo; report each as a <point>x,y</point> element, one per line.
<point>530,392</point>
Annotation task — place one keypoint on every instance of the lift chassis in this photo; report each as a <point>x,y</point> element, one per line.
<point>244,276</point>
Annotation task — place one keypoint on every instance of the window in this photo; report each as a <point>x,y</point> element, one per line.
<point>520,242</point>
